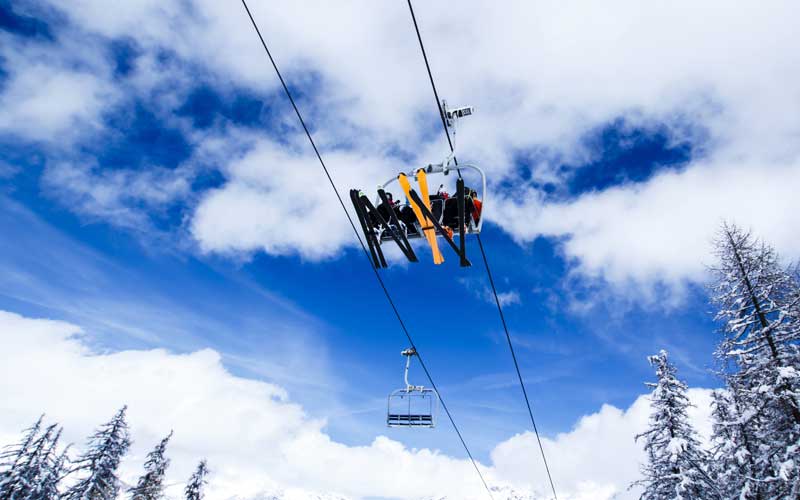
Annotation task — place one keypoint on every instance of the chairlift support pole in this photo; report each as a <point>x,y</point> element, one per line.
<point>408,353</point>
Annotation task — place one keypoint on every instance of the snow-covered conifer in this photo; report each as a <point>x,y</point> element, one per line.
<point>734,457</point>
<point>759,354</point>
<point>32,466</point>
<point>194,488</point>
<point>151,484</point>
<point>15,468</point>
<point>98,465</point>
<point>48,485</point>
<point>676,464</point>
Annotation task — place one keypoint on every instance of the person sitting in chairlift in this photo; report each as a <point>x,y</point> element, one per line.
<point>384,210</point>
<point>477,206</point>
<point>404,213</point>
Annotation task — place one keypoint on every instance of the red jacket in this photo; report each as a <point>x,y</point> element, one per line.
<point>477,206</point>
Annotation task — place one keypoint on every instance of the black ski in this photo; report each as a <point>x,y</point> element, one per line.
<point>461,222</point>
<point>370,209</point>
<point>396,232</point>
<point>369,232</point>
<point>427,213</point>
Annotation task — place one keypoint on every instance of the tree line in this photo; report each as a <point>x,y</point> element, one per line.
<point>754,450</point>
<point>36,468</point>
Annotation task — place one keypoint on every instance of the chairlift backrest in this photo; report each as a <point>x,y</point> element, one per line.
<point>412,408</point>
<point>450,217</point>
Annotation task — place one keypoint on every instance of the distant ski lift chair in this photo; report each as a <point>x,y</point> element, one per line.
<point>414,406</point>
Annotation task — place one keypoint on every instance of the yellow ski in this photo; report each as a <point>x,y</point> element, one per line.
<point>427,226</point>
<point>422,180</point>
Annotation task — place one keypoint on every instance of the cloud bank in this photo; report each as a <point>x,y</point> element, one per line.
<point>257,440</point>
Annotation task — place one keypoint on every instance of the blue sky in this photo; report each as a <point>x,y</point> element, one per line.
<point>156,191</point>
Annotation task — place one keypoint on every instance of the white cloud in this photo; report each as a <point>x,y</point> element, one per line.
<point>279,201</point>
<point>541,77</point>
<point>482,291</point>
<point>538,92</point>
<point>599,453</point>
<point>662,231</point>
<point>116,196</point>
<point>256,439</point>
<point>509,298</point>
<point>252,435</point>
<point>54,92</point>
<point>42,104</point>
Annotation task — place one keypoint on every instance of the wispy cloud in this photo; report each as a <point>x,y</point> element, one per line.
<point>8,170</point>
<point>124,197</point>
<point>483,291</point>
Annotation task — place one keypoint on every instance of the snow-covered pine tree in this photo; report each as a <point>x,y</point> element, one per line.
<point>48,488</point>
<point>733,464</point>
<point>23,462</point>
<point>676,464</point>
<point>151,485</point>
<point>12,459</point>
<point>98,465</point>
<point>45,475</point>
<point>194,488</point>
<point>759,355</point>
<point>32,466</point>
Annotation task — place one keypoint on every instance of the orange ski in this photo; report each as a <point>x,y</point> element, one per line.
<point>427,226</point>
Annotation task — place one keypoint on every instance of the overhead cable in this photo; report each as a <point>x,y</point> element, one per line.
<point>363,247</point>
<point>485,260</point>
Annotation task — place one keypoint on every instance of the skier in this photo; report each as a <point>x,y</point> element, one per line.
<point>477,206</point>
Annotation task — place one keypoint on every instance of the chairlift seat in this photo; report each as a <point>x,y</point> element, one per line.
<point>412,408</point>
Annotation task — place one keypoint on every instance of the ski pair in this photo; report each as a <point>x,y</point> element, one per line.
<point>429,224</point>
<point>368,215</point>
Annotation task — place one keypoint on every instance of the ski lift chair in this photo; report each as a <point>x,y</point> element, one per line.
<point>413,406</point>
<point>440,208</point>
<point>434,217</point>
